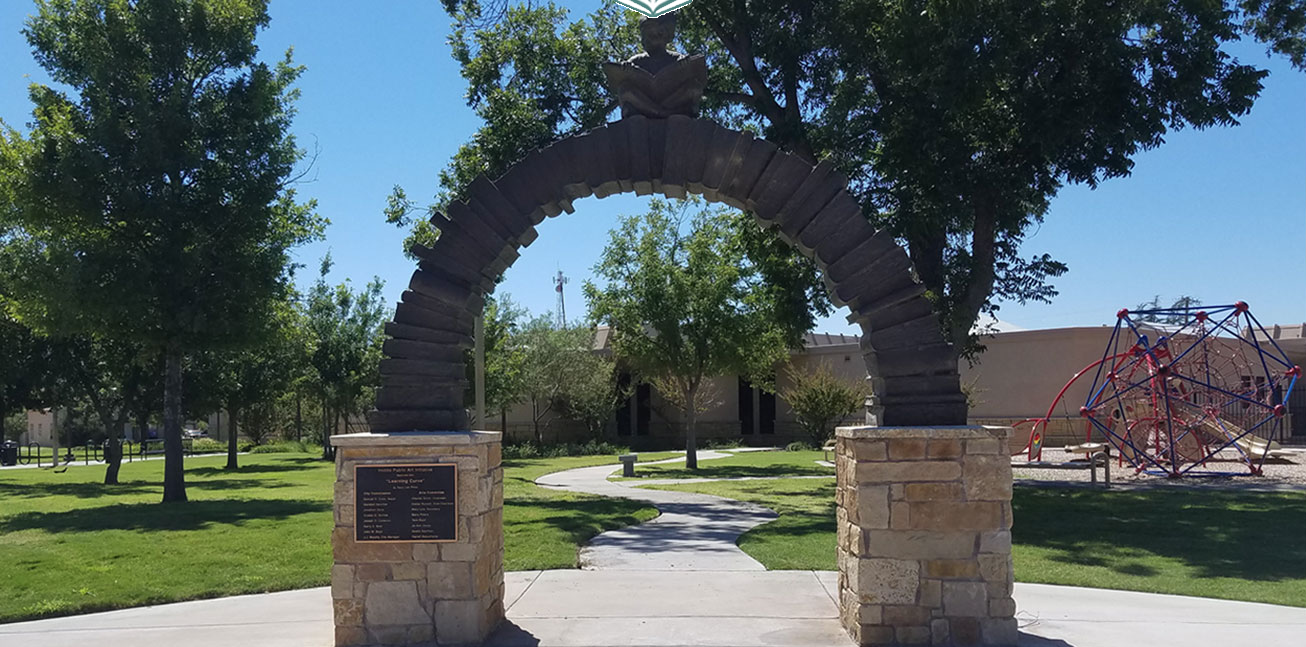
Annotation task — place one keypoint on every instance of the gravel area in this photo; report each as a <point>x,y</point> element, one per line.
<point>1280,473</point>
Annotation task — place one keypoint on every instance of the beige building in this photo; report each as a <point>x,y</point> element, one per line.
<point>1017,377</point>
<point>741,411</point>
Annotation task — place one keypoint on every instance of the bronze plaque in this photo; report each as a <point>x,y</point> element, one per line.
<point>406,503</point>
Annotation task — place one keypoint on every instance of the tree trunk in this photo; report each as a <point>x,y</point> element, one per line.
<point>232,412</point>
<point>299,420</point>
<point>174,478</point>
<point>112,459</point>
<point>535,420</point>
<point>691,439</point>
<point>326,431</point>
<point>113,448</point>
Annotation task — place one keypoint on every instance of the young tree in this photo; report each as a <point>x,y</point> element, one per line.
<point>156,194</point>
<point>553,360</point>
<point>820,399</point>
<point>593,397</point>
<point>1174,318</point>
<point>956,123</point>
<point>109,375</point>
<point>503,358</point>
<point>684,305</point>
<point>346,333</point>
<point>244,382</point>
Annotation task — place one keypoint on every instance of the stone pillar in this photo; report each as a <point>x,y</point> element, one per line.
<point>924,516</point>
<point>408,593</point>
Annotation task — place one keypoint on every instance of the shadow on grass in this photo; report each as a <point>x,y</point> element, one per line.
<point>1218,533</point>
<point>191,515</point>
<point>95,489</point>
<point>736,471</point>
<point>269,468</point>
<point>580,518</point>
<point>90,490</point>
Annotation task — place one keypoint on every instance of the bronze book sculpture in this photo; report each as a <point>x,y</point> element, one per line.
<point>658,83</point>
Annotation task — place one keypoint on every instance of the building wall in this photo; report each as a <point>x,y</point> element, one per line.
<point>40,428</point>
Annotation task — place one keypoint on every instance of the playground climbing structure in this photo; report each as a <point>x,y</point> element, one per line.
<point>1204,388</point>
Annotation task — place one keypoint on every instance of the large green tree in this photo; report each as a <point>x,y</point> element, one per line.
<point>684,304</point>
<point>155,200</point>
<point>955,122</point>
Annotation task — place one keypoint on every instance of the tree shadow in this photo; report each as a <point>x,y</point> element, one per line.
<point>270,468</point>
<point>736,471</point>
<point>1217,533</point>
<point>580,518</point>
<point>96,489</point>
<point>85,490</point>
<point>148,517</point>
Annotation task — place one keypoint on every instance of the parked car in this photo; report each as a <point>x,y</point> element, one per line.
<point>194,433</point>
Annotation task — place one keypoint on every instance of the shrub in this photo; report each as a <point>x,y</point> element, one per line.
<point>284,447</point>
<point>820,399</point>
<point>587,448</point>
<point>207,446</point>
<point>799,446</point>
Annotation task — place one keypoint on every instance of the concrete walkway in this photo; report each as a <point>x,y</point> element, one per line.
<point>669,609</point>
<point>695,532</point>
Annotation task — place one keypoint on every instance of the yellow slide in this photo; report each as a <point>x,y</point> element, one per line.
<point>1252,445</point>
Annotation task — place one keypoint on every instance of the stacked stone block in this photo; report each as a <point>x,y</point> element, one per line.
<point>421,593</point>
<point>924,535</point>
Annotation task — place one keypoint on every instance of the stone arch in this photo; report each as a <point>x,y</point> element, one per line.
<point>913,369</point>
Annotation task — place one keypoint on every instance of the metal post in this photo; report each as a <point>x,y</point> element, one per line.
<point>54,434</point>
<point>480,370</point>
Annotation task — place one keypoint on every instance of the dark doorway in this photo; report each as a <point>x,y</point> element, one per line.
<point>643,408</point>
<point>746,426</point>
<point>766,412</point>
<point>623,411</point>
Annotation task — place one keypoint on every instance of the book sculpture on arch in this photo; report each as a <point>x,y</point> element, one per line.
<point>658,83</point>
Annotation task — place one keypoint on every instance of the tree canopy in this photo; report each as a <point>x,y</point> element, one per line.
<point>956,123</point>
<point>681,298</point>
<point>154,199</point>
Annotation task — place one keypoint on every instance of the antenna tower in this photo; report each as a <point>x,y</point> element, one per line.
<point>558,282</point>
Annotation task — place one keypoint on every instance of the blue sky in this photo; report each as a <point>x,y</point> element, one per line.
<point>1218,214</point>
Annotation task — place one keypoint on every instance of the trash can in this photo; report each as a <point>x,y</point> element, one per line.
<point>8,453</point>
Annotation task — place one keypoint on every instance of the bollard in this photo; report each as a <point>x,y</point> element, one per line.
<point>628,464</point>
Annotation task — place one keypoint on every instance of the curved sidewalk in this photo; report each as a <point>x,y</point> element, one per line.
<point>695,532</point>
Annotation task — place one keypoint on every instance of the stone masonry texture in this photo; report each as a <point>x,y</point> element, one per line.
<point>421,593</point>
<point>924,535</point>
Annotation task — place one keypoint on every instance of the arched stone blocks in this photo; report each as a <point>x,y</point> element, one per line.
<point>914,371</point>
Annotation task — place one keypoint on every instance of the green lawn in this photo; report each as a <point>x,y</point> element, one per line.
<point>70,545</point>
<point>1219,544</point>
<point>742,464</point>
<point>543,528</point>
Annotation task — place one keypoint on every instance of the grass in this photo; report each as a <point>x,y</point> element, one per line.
<point>1218,544</point>
<point>69,544</point>
<point>743,464</point>
<point>543,528</point>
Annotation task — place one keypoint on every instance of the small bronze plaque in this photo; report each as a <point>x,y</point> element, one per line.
<point>406,503</point>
